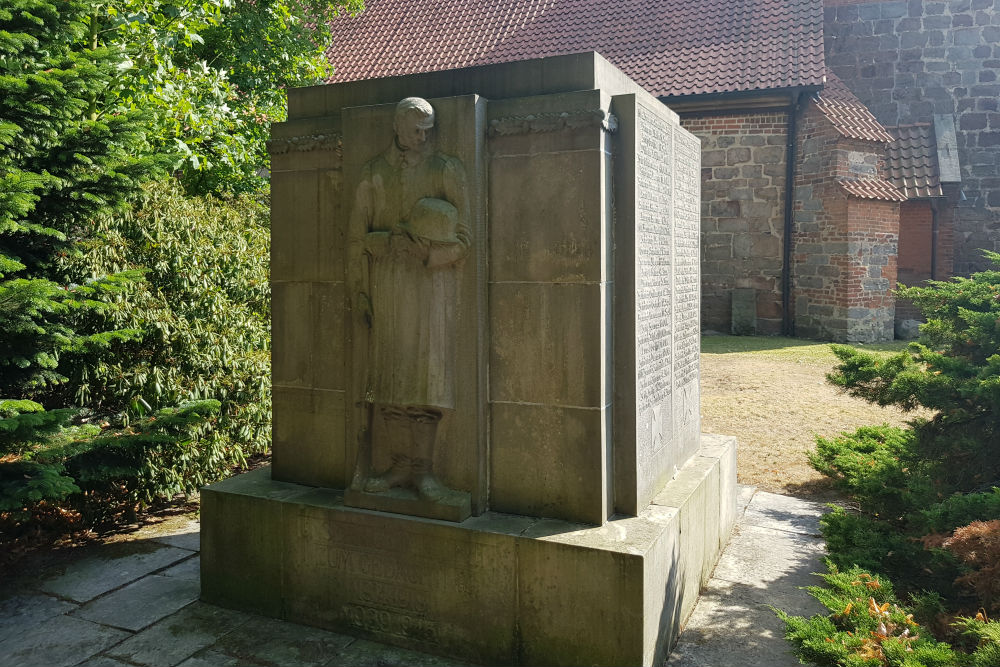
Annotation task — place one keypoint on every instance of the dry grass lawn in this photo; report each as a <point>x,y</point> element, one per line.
<point>772,394</point>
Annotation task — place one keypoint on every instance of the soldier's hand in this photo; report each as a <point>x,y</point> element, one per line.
<point>377,243</point>
<point>363,304</point>
<point>404,244</point>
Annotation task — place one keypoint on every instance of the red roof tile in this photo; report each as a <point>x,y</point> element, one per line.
<point>847,113</point>
<point>671,47</point>
<point>871,188</point>
<point>913,161</point>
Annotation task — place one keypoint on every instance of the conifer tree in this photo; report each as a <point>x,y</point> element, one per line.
<point>62,163</point>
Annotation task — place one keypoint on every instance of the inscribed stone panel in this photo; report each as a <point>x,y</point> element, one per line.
<point>414,583</point>
<point>656,299</point>
<point>686,292</point>
<point>654,260</point>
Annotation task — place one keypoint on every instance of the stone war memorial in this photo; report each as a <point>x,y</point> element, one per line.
<point>485,368</point>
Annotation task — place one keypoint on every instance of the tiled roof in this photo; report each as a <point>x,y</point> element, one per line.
<point>671,47</point>
<point>913,161</point>
<point>851,118</point>
<point>871,188</point>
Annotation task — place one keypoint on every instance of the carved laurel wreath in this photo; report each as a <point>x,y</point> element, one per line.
<point>311,142</point>
<point>553,122</point>
<point>530,123</point>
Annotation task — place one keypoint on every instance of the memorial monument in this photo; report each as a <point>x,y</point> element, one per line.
<point>485,293</point>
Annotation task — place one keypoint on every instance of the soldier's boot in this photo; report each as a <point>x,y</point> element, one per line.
<point>428,486</point>
<point>400,473</point>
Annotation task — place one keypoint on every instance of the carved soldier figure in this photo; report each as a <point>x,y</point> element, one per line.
<point>411,234</point>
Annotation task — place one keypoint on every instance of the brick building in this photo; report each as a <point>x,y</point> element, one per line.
<point>750,78</point>
<point>933,63</point>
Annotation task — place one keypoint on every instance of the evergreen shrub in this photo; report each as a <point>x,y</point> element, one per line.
<point>926,502</point>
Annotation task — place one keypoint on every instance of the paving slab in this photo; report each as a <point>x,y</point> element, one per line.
<point>179,636</point>
<point>214,658</point>
<point>771,510</point>
<point>103,661</point>
<point>26,610</point>
<point>728,628</point>
<point>186,569</point>
<point>766,557</point>
<point>113,567</point>
<point>62,640</point>
<point>141,603</point>
<point>188,538</point>
<point>373,654</point>
<point>265,641</point>
<point>773,552</point>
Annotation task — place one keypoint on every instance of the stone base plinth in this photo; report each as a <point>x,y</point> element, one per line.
<point>496,588</point>
<point>455,506</point>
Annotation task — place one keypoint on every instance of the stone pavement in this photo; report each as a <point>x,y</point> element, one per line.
<point>774,550</point>
<point>136,603</point>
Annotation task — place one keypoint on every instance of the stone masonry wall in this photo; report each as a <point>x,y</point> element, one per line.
<point>910,59</point>
<point>743,181</point>
<point>844,253</point>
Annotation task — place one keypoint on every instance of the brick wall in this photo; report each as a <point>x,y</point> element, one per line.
<point>910,59</point>
<point>844,252</point>
<point>915,222</point>
<point>916,219</point>
<point>743,180</point>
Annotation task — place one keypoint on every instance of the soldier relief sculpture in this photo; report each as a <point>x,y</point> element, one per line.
<point>410,226</point>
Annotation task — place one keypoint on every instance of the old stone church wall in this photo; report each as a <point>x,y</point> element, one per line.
<point>909,60</point>
<point>743,184</point>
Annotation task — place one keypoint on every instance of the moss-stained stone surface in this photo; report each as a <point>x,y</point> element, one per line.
<point>496,588</point>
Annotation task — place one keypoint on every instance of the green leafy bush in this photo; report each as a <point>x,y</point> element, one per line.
<point>955,371</point>
<point>24,428</point>
<point>203,313</point>
<point>855,539</point>
<point>106,475</point>
<point>201,322</point>
<point>957,510</point>
<point>212,74</point>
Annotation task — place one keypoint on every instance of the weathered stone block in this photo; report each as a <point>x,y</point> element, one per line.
<point>544,346</point>
<point>713,158</point>
<point>309,442</point>
<point>737,155</point>
<point>769,154</point>
<point>294,225</point>
<point>765,246</point>
<point>744,317</point>
<point>494,589</point>
<point>756,209</point>
<point>244,517</point>
<point>551,225</point>
<point>725,209</point>
<point>291,321</point>
<point>327,317</point>
<point>725,173</point>
<point>567,478</point>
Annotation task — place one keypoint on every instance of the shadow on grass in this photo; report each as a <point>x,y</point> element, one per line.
<point>721,344</point>
<point>821,490</point>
